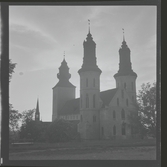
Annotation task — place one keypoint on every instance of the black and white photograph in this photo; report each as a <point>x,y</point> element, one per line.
<point>82,82</point>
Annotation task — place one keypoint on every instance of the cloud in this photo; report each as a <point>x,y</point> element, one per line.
<point>29,38</point>
<point>39,36</point>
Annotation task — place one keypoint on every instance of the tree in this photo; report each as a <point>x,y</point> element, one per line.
<point>27,116</point>
<point>135,122</point>
<point>14,118</point>
<point>60,131</point>
<point>143,121</point>
<point>11,68</point>
<point>26,127</point>
<point>14,115</point>
<point>147,107</point>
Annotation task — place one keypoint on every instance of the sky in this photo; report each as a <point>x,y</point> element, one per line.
<point>39,36</point>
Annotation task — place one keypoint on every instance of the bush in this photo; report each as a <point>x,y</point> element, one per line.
<point>61,131</point>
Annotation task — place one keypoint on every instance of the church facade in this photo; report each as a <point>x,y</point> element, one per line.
<point>98,114</point>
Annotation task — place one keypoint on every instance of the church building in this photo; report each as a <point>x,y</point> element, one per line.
<point>98,114</point>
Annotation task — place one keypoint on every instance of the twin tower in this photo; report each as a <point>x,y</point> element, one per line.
<point>90,102</point>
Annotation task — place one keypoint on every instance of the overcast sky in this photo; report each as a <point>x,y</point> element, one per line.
<point>39,35</point>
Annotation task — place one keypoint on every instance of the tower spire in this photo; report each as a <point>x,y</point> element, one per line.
<point>64,55</point>
<point>125,65</point>
<point>37,114</point>
<point>88,26</point>
<point>37,108</point>
<point>123,34</point>
<point>89,58</point>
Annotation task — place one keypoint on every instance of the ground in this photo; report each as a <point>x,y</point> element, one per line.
<point>94,150</point>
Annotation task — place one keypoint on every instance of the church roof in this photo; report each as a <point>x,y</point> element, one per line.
<point>64,83</point>
<point>72,106</point>
<point>106,96</point>
<point>64,75</point>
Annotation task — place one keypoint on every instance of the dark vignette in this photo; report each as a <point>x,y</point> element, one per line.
<point>5,89</point>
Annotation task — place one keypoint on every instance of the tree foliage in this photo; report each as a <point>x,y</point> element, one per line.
<point>11,68</point>
<point>27,116</point>
<point>60,131</point>
<point>31,130</point>
<point>27,126</point>
<point>147,106</point>
<point>14,118</point>
<point>135,122</point>
<point>143,121</point>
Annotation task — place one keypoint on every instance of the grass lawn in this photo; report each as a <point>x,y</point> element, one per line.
<point>104,149</point>
<point>115,153</point>
<point>85,144</point>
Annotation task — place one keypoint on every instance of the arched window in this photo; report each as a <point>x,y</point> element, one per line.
<point>122,92</point>
<point>132,85</point>
<point>81,118</point>
<point>114,130</point>
<point>124,85</point>
<point>94,101</point>
<point>81,101</point>
<point>114,114</point>
<point>123,114</point>
<point>123,128</point>
<point>94,82</point>
<point>117,101</point>
<point>127,103</point>
<point>87,101</point>
<point>86,82</point>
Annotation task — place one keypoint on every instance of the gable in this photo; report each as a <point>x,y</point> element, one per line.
<point>107,96</point>
<point>72,106</point>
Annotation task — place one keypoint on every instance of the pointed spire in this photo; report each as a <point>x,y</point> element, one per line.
<point>89,26</point>
<point>64,55</point>
<point>64,75</point>
<point>89,35</point>
<point>124,45</point>
<point>89,58</point>
<point>123,34</point>
<point>37,114</point>
<point>37,108</point>
<point>125,65</point>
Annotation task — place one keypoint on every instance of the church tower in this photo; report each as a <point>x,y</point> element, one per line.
<point>89,91</point>
<point>37,114</point>
<point>63,90</point>
<point>126,77</point>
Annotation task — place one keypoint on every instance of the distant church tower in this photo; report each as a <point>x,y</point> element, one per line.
<point>126,77</point>
<point>63,90</point>
<point>37,114</point>
<point>89,91</point>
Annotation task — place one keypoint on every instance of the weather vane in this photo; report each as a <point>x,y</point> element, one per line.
<point>64,54</point>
